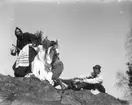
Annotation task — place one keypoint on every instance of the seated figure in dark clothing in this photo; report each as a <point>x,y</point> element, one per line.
<point>26,49</point>
<point>22,66</point>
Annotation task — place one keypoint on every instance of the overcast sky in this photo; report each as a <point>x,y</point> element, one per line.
<point>89,34</point>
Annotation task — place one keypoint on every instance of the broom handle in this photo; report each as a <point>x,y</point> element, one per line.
<point>15,47</point>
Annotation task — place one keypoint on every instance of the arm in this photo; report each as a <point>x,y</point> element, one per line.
<point>31,37</point>
<point>58,65</point>
<point>82,77</point>
<point>40,52</point>
<point>98,79</point>
<point>49,60</point>
<point>48,56</point>
<point>15,47</point>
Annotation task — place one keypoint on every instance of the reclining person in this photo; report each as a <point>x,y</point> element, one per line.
<point>94,81</point>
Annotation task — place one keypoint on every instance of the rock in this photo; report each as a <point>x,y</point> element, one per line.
<point>3,78</point>
<point>68,97</point>
<point>31,91</point>
<point>2,99</point>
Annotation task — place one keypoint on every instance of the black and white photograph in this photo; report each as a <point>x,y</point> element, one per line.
<point>66,52</point>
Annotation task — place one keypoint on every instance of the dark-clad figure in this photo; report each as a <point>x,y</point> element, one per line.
<point>22,40</point>
<point>26,50</point>
<point>22,66</point>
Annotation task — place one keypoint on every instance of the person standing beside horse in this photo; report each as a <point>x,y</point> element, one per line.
<point>53,53</point>
<point>57,64</point>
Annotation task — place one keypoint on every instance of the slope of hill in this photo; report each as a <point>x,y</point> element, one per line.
<point>31,91</point>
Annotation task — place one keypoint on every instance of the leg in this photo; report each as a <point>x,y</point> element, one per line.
<point>69,83</point>
<point>59,82</point>
<point>57,69</point>
<point>100,87</point>
<point>84,85</point>
<point>62,82</point>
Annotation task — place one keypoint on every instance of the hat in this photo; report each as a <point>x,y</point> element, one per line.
<point>97,67</point>
<point>18,29</point>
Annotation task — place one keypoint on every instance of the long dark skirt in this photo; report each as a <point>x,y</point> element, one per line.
<point>22,71</point>
<point>57,69</point>
<point>88,86</point>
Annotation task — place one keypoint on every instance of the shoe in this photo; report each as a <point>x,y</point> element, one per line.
<point>63,85</point>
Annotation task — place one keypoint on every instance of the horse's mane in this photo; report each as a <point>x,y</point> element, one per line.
<point>39,35</point>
